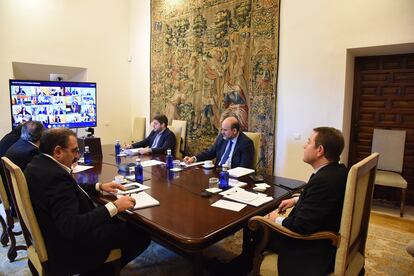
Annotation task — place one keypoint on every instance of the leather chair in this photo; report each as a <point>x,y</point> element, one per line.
<point>390,145</point>
<point>352,236</point>
<point>177,132</point>
<point>8,233</point>
<point>183,126</point>
<point>255,137</point>
<point>36,248</point>
<point>138,130</point>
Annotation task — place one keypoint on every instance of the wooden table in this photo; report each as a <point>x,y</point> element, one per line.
<point>184,221</point>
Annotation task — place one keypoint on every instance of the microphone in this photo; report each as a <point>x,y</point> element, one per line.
<point>257,177</point>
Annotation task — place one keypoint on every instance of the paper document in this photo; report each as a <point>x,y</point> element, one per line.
<point>80,168</point>
<point>141,187</point>
<point>132,151</point>
<point>241,195</point>
<point>229,205</point>
<point>235,183</point>
<point>150,163</point>
<point>192,164</point>
<point>240,171</point>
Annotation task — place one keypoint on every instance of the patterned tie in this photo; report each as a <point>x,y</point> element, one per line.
<point>227,153</point>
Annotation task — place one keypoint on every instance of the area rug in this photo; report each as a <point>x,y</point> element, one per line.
<point>385,253</point>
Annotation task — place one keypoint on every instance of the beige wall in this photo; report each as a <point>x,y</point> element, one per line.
<point>314,39</point>
<point>81,33</point>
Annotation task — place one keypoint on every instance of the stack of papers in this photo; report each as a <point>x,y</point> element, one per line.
<point>229,205</point>
<point>235,183</point>
<point>80,168</point>
<point>150,163</point>
<point>240,171</point>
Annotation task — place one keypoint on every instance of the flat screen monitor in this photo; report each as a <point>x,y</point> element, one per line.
<point>54,103</point>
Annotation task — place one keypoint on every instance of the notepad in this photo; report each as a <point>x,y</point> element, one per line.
<point>144,200</point>
<point>132,151</point>
<point>80,168</point>
<point>150,163</point>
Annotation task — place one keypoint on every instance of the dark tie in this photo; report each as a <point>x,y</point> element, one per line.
<point>227,153</point>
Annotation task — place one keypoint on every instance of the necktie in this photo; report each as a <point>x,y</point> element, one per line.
<point>227,153</point>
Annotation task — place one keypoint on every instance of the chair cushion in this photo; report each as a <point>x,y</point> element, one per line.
<point>390,179</point>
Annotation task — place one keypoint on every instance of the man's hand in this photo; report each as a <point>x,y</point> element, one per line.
<point>111,187</point>
<point>286,204</point>
<point>124,203</point>
<point>188,159</point>
<point>127,146</point>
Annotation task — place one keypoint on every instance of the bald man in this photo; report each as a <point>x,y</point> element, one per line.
<point>231,147</point>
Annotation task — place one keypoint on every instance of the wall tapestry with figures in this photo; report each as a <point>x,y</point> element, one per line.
<point>211,58</point>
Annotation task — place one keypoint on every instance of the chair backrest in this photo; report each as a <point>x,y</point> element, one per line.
<point>3,195</point>
<point>255,137</point>
<point>138,130</point>
<point>355,216</point>
<point>35,244</point>
<point>183,126</point>
<point>177,133</point>
<point>390,145</point>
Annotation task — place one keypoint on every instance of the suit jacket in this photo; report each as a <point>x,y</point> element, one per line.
<point>319,208</point>
<point>166,141</point>
<point>242,154</point>
<point>75,232</point>
<point>21,153</point>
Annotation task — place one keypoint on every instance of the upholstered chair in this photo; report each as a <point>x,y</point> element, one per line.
<point>138,130</point>
<point>255,137</point>
<point>177,133</point>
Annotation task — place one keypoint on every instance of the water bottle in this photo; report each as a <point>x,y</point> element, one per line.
<point>139,171</point>
<point>87,155</point>
<point>117,147</point>
<point>224,178</point>
<point>169,162</point>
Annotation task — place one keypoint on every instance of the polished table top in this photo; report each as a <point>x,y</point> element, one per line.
<point>184,219</point>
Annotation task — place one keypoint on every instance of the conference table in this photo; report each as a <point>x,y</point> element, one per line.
<point>185,221</point>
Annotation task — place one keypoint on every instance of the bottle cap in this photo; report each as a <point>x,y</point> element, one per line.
<point>86,148</point>
<point>117,140</point>
<point>138,160</point>
<point>168,151</point>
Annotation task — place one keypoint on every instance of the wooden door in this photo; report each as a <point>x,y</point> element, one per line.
<point>384,98</point>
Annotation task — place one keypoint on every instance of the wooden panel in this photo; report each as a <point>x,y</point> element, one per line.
<point>384,98</point>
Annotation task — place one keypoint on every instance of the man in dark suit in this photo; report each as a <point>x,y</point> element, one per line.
<point>159,140</point>
<point>78,235</point>
<point>22,152</point>
<point>318,208</point>
<point>232,147</point>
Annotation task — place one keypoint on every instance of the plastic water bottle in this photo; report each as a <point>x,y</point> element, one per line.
<point>139,171</point>
<point>224,178</point>
<point>87,155</point>
<point>117,147</point>
<point>169,161</point>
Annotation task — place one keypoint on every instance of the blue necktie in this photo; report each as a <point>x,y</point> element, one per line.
<point>155,143</point>
<point>227,153</point>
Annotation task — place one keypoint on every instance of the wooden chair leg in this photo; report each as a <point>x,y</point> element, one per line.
<point>12,252</point>
<point>403,192</point>
<point>4,236</point>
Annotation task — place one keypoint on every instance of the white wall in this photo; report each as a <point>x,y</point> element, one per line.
<point>140,21</point>
<point>81,33</point>
<point>314,38</point>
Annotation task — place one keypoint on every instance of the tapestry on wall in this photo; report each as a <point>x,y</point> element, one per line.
<point>212,58</point>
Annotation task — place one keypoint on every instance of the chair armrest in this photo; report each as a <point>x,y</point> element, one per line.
<point>257,222</point>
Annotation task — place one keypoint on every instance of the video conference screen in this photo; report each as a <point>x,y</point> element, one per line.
<point>54,103</point>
